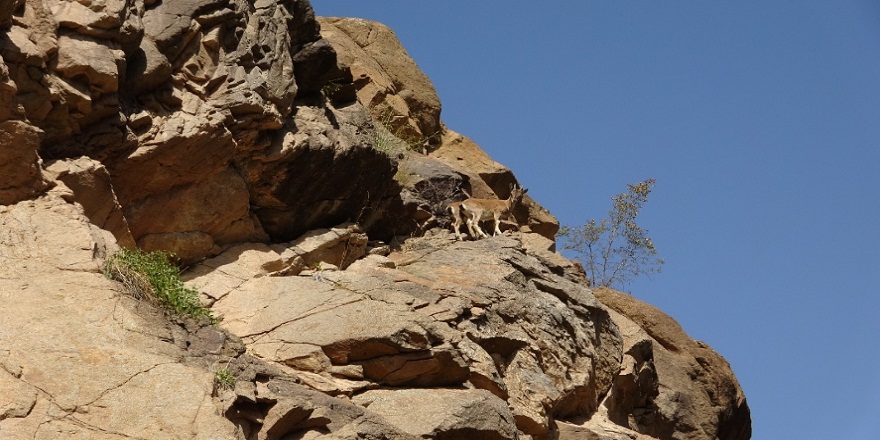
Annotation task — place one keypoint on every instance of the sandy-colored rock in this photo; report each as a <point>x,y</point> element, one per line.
<point>290,410</point>
<point>20,165</point>
<point>231,128</point>
<point>339,246</point>
<point>445,313</point>
<point>93,189</point>
<point>597,429</point>
<point>443,413</point>
<point>77,359</point>
<point>694,395</point>
<point>19,397</point>
<point>388,81</point>
<point>84,57</point>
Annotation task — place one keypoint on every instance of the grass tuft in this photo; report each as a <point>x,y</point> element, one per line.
<point>150,276</point>
<point>224,379</point>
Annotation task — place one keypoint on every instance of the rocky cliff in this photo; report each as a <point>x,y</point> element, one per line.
<point>299,168</point>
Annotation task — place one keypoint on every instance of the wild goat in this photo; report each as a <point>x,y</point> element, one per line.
<point>476,210</point>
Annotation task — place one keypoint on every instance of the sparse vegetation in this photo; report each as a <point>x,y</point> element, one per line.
<point>224,379</point>
<point>615,250</point>
<point>394,136</point>
<point>151,276</point>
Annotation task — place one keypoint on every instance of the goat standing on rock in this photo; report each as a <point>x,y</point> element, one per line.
<point>476,210</point>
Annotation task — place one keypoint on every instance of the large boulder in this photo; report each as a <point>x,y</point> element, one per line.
<point>670,385</point>
<point>443,413</point>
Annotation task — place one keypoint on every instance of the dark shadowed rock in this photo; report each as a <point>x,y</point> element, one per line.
<point>20,165</point>
<point>7,8</point>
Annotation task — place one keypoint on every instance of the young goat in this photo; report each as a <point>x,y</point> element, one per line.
<point>477,210</point>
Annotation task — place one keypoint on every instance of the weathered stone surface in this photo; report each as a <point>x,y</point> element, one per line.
<point>672,386</point>
<point>481,313</point>
<point>96,62</point>
<point>20,165</point>
<point>597,430</point>
<point>78,359</point>
<point>206,115</point>
<point>282,409</point>
<point>229,129</point>
<point>443,413</point>
<point>92,188</point>
<point>388,81</point>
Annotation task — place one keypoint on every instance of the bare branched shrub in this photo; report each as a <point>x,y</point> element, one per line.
<point>615,250</point>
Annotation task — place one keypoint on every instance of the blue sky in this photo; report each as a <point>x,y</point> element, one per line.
<point>760,122</point>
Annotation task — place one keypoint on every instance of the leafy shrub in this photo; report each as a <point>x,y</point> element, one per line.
<point>615,250</point>
<point>152,277</point>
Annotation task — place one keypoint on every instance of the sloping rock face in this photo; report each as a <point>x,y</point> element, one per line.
<point>404,102</point>
<point>302,174</point>
<point>81,360</point>
<point>78,360</point>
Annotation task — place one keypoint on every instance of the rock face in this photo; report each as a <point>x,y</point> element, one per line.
<point>671,385</point>
<point>438,313</point>
<point>78,360</point>
<point>300,169</point>
<point>404,103</point>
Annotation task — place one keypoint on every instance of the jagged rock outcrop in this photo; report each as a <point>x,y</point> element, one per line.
<point>439,313</point>
<point>404,102</point>
<point>301,170</point>
<point>207,114</point>
<point>82,360</point>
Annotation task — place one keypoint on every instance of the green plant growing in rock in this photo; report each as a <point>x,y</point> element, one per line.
<point>224,379</point>
<point>615,250</point>
<point>151,276</point>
